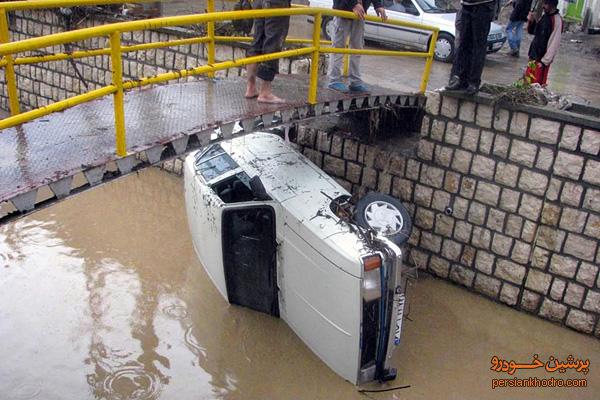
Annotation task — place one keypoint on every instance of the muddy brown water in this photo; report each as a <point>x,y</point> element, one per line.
<point>102,297</point>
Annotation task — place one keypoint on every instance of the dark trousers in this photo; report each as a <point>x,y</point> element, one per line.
<point>472,29</point>
<point>269,36</point>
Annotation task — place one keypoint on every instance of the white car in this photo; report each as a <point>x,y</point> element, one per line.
<point>278,235</point>
<point>435,13</point>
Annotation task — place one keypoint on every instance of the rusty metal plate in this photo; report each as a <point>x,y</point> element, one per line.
<point>80,139</point>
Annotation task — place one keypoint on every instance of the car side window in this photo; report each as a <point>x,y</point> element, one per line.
<point>214,162</point>
<point>403,6</point>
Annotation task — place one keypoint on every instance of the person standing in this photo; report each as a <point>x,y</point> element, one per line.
<point>269,36</point>
<point>514,28</point>
<point>473,23</point>
<point>355,29</point>
<point>546,41</point>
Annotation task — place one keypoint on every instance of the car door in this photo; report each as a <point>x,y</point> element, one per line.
<point>403,10</point>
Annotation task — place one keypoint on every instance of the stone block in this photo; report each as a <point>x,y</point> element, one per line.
<point>484,262</point>
<point>443,155</point>
<point>306,136</point>
<point>451,249</point>
<point>501,120</point>
<point>486,139</point>
<point>438,128</point>
<point>424,218</point>
<point>487,285</point>
<point>334,166</point>
<point>496,220</point>
<point>444,225</point>
<point>592,301</point>
<point>550,238</point>
<point>481,238</point>
<point>396,166</point>
<point>432,106</point>
<point>449,107</point>
<point>423,195</point>
<point>553,189</point>
<point>523,153</point>
<point>592,228</point>
<point>384,182</point>
<point>462,275</point>
<point>487,193</point>
<point>552,310</point>
<point>510,271</point>
<point>514,224</point>
<point>344,183</point>
<point>570,137</point>
<point>591,173</point>
<point>521,252</point>
<point>550,214</point>
<point>412,169</point>
<point>470,138</point>
<point>451,182</point>
<point>501,145</point>
<point>439,266</point>
<point>402,189</point>
<point>501,244</point>
<point>367,155</point>
<point>467,187</point>
<point>441,200</point>
<point>432,176</point>
<point>533,182</point>
<point>568,165</point>
<point>462,231</point>
<point>509,294</point>
<point>351,152</point>
<point>590,142</point>
<point>543,130</point>
<point>337,144</point>
<point>573,220</point>
<point>483,167</point>
<point>571,194</point>
<point>431,242</point>
<point>581,321</point>
<point>509,200</point>
<point>353,172</point>
<point>369,177</point>
<point>315,156</point>
<point>538,281</point>
<point>467,111</point>
<point>323,142</point>
<point>531,207</point>
<point>484,116</point>
<point>592,199</point>
<point>453,133</point>
<point>558,289</point>
<point>587,274</point>
<point>468,256</point>
<point>545,158</point>
<point>425,127</point>
<point>460,207</point>
<point>477,213</point>
<point>580,247</point>
<point>530,300</point>
<point>414,238</point>
<point>418,258</point>
<point>563,266</point>
<point>382,158</point>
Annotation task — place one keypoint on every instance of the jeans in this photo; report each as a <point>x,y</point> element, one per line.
<point>269,36</point>
<point>514,31</point>
<point>342,29</point>
<point>472,28</point>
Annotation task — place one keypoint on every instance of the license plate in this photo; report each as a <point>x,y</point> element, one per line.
<point>496,46</point>
<point>399,299</point>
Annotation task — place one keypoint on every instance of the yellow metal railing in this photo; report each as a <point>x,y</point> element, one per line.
<point>113,32</point>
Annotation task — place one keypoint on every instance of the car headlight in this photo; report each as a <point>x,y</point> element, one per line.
<point>372,278</point>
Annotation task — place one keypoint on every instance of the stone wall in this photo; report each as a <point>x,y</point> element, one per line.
<point>504,201</point>
<point>43,83</point>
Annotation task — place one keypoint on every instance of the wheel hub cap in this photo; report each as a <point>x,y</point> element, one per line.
<point>384,217</point>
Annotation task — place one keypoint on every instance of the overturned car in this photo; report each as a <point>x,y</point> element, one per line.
<point>278,235</point>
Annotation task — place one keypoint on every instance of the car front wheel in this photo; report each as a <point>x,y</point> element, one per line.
<point>444,47</point>
<point>384,214</point>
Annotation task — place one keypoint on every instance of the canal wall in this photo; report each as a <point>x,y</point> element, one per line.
<point>505,200</point>
<point>44,83</point>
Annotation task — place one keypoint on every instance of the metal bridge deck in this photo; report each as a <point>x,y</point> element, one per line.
<point>160,122</point>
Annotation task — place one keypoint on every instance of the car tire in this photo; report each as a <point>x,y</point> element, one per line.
<point>327,28</point>
<point>382,213</point>
<point>444,48</point>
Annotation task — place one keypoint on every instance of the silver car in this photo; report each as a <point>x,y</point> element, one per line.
<point>438,13</point>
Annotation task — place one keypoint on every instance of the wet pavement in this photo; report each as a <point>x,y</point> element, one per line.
<point>102,297</point>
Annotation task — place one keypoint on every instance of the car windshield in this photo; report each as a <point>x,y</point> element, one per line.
<point>436,6</point>
<point>215,162</point>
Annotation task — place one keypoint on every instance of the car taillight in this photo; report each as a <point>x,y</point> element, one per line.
<point>372,262</point>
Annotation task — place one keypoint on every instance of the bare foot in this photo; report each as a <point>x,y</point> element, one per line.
<point>272,99</point>
<point>251,93</point>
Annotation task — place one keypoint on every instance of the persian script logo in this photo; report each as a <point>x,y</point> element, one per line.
<point>552,365</point>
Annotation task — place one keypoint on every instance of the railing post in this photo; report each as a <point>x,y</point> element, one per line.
<point>428,62</point>
<point>210,30</point>
<point>9,71</point>
<point>117,80</point>
<point>314,65</point>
